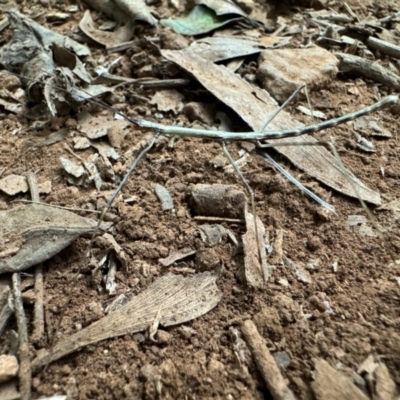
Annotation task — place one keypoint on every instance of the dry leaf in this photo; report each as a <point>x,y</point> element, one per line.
<point>124,11</point>
<point>108,39</point>
<point>36,233</point>
<point>178,299</point>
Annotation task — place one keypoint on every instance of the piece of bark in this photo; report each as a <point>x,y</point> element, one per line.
<point>368,69</point>
<point>266,363</point>
<point>218,201</point>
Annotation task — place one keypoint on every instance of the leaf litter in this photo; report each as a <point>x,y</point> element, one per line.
<point>140,229</point>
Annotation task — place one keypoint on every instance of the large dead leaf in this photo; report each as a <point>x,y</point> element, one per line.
<point>124,11</point>
<point>172,299</point>
<point>219,48</point>
<point>120,35</point>
<point>255,105</point>
<point>34,233</point>
<point>200,20</point>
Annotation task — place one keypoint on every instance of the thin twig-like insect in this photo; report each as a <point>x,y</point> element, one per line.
<point>224,137</point>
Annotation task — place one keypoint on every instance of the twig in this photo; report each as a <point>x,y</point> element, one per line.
<point>25,373</point>
<point>266,364</point>
<point>38,315</point>
<point>368,69</point>
<point>383,47</point>
<point>219,219</point>
<point>7,309</point>
<point>55,206</point>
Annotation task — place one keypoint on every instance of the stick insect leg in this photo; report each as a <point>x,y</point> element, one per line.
<point>348,175</point>
<point>251,194</point>
<point>287,101</point>
<point>108,205</point>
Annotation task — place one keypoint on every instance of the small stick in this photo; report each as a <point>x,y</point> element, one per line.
<point>6,300</point>
<point>55,206</point>
<point>368,69</point>
<point>219,219</point>
<point>266,364</point>
<point>25,372</point>
<point>38,314</point>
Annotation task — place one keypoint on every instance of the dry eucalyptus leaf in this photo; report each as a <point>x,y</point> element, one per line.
<point>124,11</point>
<point>176,298</point>
<point>200,20</point>
<point>108,39</point>
<point>219,48</point>
<point>32,234</point>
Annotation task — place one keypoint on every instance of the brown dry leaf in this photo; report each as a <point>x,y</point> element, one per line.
<point>123,11</point>
<point>32,234</point>
<point>222,7</point>
<point>108,39</point>
<point>255,105</point>
<point>219,48</point>
<point>178,299</point>
<point>256,274</point>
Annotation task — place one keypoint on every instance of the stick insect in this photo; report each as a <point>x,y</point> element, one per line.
<point>223,137</point>
<point>258,137</point>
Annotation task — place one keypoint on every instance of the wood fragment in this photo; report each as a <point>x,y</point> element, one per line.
<point>257,271</point>
<point>383,47</point>
<point>266,363</point>
<point>25,372</point>
<point>6,304</point>
<point>38,313</point>
<point>368,69</point>
<point>201,218</point>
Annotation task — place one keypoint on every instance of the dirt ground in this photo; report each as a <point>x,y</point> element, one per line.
<point>355,273</point>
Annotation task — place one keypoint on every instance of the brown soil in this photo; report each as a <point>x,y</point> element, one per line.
<point>363,291</point>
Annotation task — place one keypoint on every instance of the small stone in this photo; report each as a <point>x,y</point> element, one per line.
<point>207,260</point>
<point>13,184</point>
<point>282,359</point>
<point>202,112</point>
<point>314,243</point>
<point>147,373</point>
<point>8,367</point>
<point>163,337</point>
<point>281,71</point>
<point>215,366</point>
<point>186,331</point>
